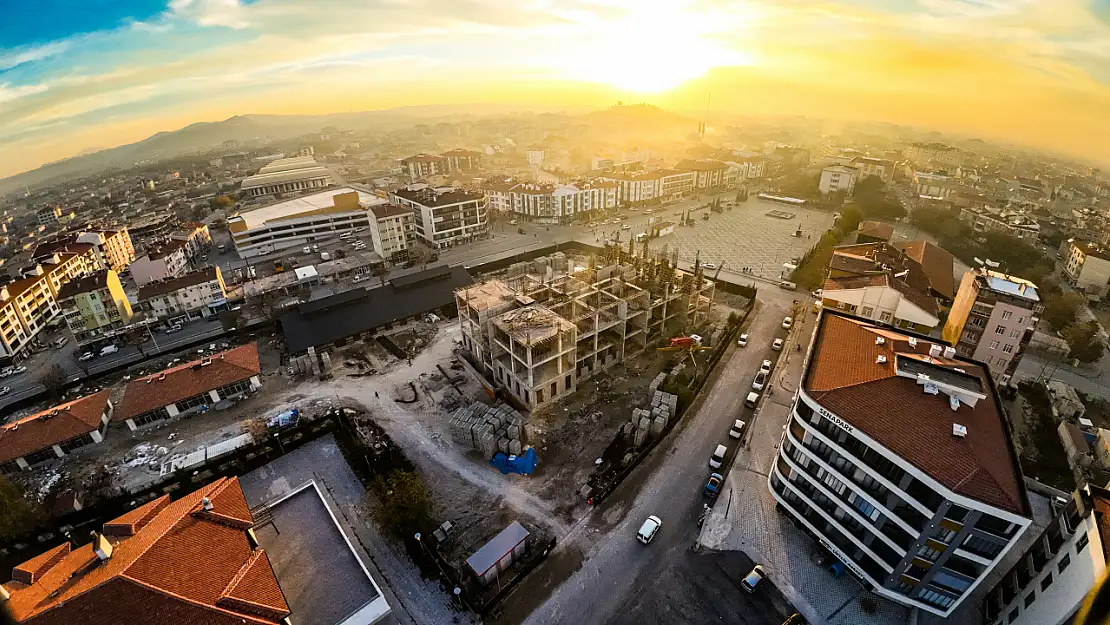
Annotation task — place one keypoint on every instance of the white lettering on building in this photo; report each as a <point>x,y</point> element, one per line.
<point>840,423</point>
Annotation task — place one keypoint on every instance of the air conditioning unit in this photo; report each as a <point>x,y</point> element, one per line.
<point>934,350</point>
<point>879,340</point>
<point>959,431</point>
<point>949,352</point>
<point>880,359</point>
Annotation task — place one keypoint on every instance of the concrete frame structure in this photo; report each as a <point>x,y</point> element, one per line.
<point>1049,583</point>
<point>922,526</point>
<point>540,334</point>
<point>992,320</point>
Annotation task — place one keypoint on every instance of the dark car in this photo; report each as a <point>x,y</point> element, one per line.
<point>713,486</point>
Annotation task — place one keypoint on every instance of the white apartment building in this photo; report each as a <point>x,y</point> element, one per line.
<point>642,187</point>
<point>113,246</point>
<point>1087,267</point>
<point>294,223</point>
<point>898,460</point>
<point>932,186</point>
<point>191,296</point>
<point>879,167</point>
<point>551,203</point>
<point>838,178</point>
<point>424,166</point>
<point>708,174</point>
<point>392,231</point>
<point>1049,583</point>
<point>445,216</point>
<point>196,236</point>
<point>287,175</point>
<point>164,262</point>
<point>934,153</point>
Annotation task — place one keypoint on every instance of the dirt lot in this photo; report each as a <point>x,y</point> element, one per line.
<point>1038,444</point>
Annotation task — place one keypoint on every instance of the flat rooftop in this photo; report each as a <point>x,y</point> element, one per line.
<point>306,204</point>
<point>1010,285</point>
<point>533,324</point>
<point>487,294</point>
<point>889,401</point>
<point>323,579</point>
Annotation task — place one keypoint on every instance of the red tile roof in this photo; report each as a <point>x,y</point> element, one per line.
<point>844,376</point>
<point>180,567</point>
<point>169,285</point>
<point>32,570</point>
<point>53,426</point>
<point>876,229</point>
<point>936,262</point>
<point>172,385</point>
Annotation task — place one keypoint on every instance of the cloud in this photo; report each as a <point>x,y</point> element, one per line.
<point>14,58</point>
<point>9,93</point>
<point>228,13</point>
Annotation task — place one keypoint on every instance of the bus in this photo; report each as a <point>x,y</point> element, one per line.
<point>782,199</point>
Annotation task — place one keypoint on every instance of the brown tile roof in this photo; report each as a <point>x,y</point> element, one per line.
<point>134,520</point>
<point>844,376</point>
<point>53,426</point>
<point>169,285</point>
<point>32,570</point>
<point>852,263</point>
<point>937,263</point>
<point>182,566</point>
<point>17,287</point>
<point>382,211</point>
<point>876,229</point>
<point>172,385</point>
<point>92,282</point>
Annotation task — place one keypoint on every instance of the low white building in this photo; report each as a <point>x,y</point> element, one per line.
<point>932,186</point>
<point>392,231</point>
<point>838,178</point>
<point>162,263</point>
<point>1087,268</point>
<point>191,296</point>
<point>287,175</point>
<point>551,203</point>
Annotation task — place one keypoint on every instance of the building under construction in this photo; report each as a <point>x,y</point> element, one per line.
<point>547,325</point>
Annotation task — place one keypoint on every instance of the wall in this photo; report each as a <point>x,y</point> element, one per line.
<point>1059,601</point>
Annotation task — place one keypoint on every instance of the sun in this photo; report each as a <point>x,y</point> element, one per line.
<point>657,46</point>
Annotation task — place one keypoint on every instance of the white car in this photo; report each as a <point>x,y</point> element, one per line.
<point>5,372</point>
<point>18,370</point>
<point>86,356</point>
<point>710,265</point>
<point>743,340</point>
<point>5,390</point>
<point>174,328</point>
<point>818,293</point>
<point>751,581</point>
<point>626,227</point>
<point>759,381</point>
<point>109,349</point>
<point>787,323</point>
<point>766,366</point>
<point>649,529</point>
<point>777,345</point>
<point>737,429</point>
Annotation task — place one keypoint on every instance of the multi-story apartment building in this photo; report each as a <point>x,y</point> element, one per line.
<point>934,153</point>
<point>838,178</point>
<point>94,305</point>
<point>13,336</point>
<point>49,216</point>
<point>675,184</point>
<point>635,188</point>
<point>1013,223</point>
<point>708,174</point>
<point>165,261</point>
<point>1050,581</point>
<point>993,319</point>
<point>191,296</point>
<point>879,167</point>
<point>462,160</point>
<point>34,302</point>
<point>445,216</point>
<point>196,236</point>
<point>1087,268</point>
<point>897,459</point>
<point>551,203</point>
<point>933,186</point>
<point>392,231</point>
<point>879,282</point>
<point>294,223</point>
<point>113,246</point>
<point>287,175</point>
<point>424,166</point>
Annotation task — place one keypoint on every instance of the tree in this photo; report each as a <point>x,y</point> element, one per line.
<point>849,219</point>
<point>138,337</point>
<point>18,515</point>
<point>381,273</point>
<point>1061,310</point>
<point>403,506</point>
<point>1084,342</point>
<point>223,201</point>
<point>53,378</point>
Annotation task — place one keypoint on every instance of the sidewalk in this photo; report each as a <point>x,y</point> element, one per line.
<point>747,521</point>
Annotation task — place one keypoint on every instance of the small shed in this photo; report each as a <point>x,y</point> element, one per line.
<point>1075,445</point>
<point>499,553</point>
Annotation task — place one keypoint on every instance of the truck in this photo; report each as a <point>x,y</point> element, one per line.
<point>324,256</point>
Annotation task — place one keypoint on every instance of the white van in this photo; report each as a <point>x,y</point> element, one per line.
<point>60,343</point>
<point>788,285</point>
<point>752,399</point>
<point>718,457</point>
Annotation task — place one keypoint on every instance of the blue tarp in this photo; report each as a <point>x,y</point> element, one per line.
<point>524,464</point>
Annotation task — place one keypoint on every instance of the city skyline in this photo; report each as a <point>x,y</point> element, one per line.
<point>111,73</point>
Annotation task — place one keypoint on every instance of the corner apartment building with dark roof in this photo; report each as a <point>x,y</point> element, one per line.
<point>898,459</point>
<point>445,216</point>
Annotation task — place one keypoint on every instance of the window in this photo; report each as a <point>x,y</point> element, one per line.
<point>1007,349</point>
<point>1046,582</point>
<point>994,345</point>
<point>1021,319</point>
<point>1064,562</point>
<point>1007,314</point>
<point>868,311</point>
<point>956,513</point>
<point>885,317</point>
<point>1030,598</point>
<point>1014,614</point>
<point>1013,334</point>
<point>1081,543</point>
<point>951,582</point>
<point>1000,330</point>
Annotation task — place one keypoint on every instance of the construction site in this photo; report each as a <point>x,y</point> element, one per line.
<point>547,325</point>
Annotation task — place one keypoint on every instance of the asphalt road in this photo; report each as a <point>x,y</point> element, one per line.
<point>600,573</point>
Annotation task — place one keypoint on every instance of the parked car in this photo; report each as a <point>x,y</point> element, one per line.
<point>86,356</point>
<point>718,457</point>
<point>743,340</point>
<point>751,581</point>
<point>18,370</point>
<point>174,328</point>
<point>60,343</point>
<point>710,265</point>
<point>5,372</point>
<point>649,529</point>
<point>752,399</point>
<point>5,390</point>
<point>626,227</point>
<point>759,381</point>
<point>777,345</point>
<point>109,349</point>
<point>713,485</point>
<point>512,222</point>
<point>766,366</point>
<point>787,323</point>
<point>818,293</point>
<point>737,429</point>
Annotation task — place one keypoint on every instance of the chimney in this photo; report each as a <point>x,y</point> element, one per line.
<point>913,342</point>
<point>206,503</point>
<point>934,350</point>
<point>102,547</point>
<point>949,352</point>
<point>880,359</point>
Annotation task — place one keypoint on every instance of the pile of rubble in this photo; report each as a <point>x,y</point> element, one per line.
<point>651,422</point>
<point>488,429</point>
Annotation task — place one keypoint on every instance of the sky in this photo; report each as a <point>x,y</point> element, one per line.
<point>76,75</point>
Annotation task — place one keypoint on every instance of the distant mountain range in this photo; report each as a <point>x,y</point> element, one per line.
<point>246,128</point>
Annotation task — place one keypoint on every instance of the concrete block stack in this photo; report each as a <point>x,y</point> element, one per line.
<point>488,429</point>
<point>653,388</point>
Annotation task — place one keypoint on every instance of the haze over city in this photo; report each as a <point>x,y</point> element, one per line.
<point>99,74</point>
